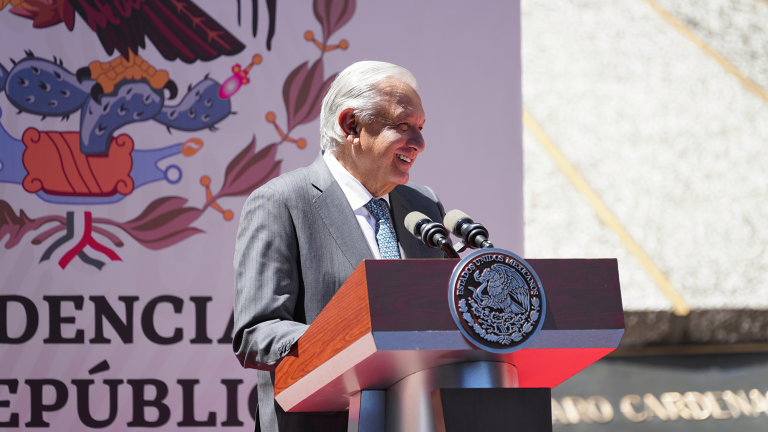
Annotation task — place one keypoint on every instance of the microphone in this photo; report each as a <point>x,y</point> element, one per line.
<point>433,234</point>
<point>473,234</point>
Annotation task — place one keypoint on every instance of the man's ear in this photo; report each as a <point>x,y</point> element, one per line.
<point>350,125</point>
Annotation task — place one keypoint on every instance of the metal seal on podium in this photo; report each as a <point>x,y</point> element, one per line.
<point>497,300</point>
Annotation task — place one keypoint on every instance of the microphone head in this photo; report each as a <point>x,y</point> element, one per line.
<point>454,219</point>
<point>414,222</point>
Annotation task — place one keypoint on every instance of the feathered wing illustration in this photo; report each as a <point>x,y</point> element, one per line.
<point>179,29</point>
<point>516,287</point>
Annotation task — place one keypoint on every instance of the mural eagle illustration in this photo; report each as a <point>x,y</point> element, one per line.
<point>179,29</point>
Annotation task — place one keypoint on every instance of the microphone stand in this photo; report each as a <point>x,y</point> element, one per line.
<point>447,247</point>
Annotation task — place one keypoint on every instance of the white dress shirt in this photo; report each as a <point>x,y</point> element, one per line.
<point>358,196</point>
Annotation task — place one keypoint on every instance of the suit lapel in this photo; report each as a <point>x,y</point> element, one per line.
<point>333,207</point>
<point>400,209</point>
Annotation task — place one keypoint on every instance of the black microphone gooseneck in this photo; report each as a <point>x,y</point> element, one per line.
<point>433,234</point>
<point>473,234</point>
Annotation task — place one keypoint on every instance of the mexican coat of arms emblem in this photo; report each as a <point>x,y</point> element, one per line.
<point>497,300</point>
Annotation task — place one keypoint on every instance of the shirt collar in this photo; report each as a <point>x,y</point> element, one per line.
<point>356,193</point>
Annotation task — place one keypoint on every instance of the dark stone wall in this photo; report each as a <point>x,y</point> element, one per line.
<point>712,327</point>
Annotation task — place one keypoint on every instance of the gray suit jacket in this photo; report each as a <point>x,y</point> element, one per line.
<point>297,243</point>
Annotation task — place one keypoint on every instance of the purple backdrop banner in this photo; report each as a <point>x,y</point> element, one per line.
<point>129,139</point>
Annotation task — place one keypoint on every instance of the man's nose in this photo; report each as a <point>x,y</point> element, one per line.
<point>416,141</point>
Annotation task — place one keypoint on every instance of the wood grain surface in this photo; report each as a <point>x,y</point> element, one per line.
<point>343,321</point>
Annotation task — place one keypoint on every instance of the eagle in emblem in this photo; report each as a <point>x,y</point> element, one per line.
<point>506,289</point>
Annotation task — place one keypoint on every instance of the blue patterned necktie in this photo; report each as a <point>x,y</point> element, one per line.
<point>385,231</point>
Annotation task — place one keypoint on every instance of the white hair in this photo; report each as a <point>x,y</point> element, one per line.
<point>356,87</point>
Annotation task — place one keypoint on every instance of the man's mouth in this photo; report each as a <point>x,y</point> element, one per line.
<point>405,158</point>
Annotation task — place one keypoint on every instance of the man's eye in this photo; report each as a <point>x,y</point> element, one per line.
<point>404,126</point>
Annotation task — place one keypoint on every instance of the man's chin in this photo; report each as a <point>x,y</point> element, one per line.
<point>403,179</point>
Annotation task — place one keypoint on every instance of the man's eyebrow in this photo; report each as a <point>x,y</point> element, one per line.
<point>406,113</point>
<point>406,117</point>
<point>385,118</point>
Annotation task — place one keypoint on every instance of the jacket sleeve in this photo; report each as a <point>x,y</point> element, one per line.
<point>266,281</point>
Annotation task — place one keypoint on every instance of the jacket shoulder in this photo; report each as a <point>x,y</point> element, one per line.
<point>417,191</point>
<point>286,184</point>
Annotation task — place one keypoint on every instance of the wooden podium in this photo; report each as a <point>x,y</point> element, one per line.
<point>386,344</point>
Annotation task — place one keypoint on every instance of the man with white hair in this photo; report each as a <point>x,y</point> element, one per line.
<point>302,234</point>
